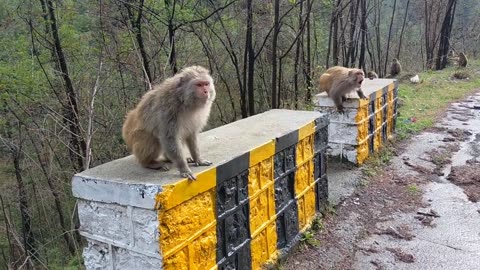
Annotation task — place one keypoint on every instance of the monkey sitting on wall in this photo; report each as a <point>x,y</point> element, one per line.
<point>168,116</point>
<point>372,75</point>
<point>339,81</point>
<point>395,68</point>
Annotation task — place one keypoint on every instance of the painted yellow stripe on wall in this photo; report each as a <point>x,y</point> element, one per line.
<point>262,152</point>
<point>306,130</point>
<point>261,193</point>
<point>175,194</point>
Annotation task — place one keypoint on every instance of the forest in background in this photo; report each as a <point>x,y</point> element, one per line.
<point>70,70</point>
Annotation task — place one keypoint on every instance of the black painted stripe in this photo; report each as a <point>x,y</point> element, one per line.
<point>286,141</point>
<point>233,167</point>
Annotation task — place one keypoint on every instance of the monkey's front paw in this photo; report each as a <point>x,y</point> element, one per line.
<point>203,163</point>
<point>340,109</point>
<point>190,160</point>
<point>188,175</point>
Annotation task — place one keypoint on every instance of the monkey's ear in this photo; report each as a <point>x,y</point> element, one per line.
<point>182,81</point>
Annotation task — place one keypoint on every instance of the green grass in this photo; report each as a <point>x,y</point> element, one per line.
<point>413,189</point>
<point>425,102</point>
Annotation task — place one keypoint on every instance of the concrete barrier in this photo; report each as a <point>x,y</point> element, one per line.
<point>266,186</point>
<point>366,124</point>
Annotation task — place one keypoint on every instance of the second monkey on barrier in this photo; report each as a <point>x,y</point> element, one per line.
<point>339,81</point>
<point>170,115</point>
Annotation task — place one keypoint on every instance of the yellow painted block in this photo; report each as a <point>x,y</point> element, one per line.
<point>362,132</point>
<point>390,120</point>
<point>175,194</point>
<point>303,178</point>
<point>254,183</point>
<point>362,113</point>
<point>306,209</point>
<point>262,152</point>
<point>363,102</point>
<point>204,250</point>
<point>306,130</point>
<point>182,224</point>
<point>266,172</point>
<point>362,138</point>
<point>378,139</point>
<point>304,151</point>
<point>391,87</point>
<point>390,96</point>
<point>362,152</point>
<point>261,192</point>
<point>264,246</point>
<point>390,127</point>
<point>178,261</point>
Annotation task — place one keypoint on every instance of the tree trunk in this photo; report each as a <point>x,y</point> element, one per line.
<point>172,59</point>
<point>137,27</point>
<point>249,63</point>
<point>363,30</point>
<point>77,147</point>
<point>401,32</point>
<point>390,35</point>
<point>308,61</point>
<point>335,18</point>
<point>445,32</point>
<point>276,30</point>
<point>352,44</point>
<point>27,231</point>
<point>297,58</point>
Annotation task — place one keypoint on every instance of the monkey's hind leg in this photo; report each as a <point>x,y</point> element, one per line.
<point>195,152</point>
<point>147,150</point>
<point>173,151</point>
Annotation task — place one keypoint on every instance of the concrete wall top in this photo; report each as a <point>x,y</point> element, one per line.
<point>368,87</point>
<point>125,182</point>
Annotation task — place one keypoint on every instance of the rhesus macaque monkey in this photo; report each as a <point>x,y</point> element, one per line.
<point>395,68</point>
<point>169,116</point>
<point>462,60</point>
<point>339,81</point>
<point>372,75</point>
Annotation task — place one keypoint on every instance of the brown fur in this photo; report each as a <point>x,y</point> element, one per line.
<point>462,60</point>
<point>168,116</point>
<point>339,81</point>
<point>372,75</point>
<point>395,68</point>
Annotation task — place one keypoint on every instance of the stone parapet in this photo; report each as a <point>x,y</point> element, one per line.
<point>267,183</point>
<point>366,124</point>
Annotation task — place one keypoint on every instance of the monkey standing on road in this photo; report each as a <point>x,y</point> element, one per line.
<point>167,117</point>
<point>339,81</point>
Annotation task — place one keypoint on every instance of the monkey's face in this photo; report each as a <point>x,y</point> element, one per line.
<point>359,76</point>
<point>203,89</point>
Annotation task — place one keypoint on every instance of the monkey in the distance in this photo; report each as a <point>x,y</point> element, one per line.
<point>395,68</point>
<point>372,75</point>
<point>339,81</point>
<point>462,60</point>
<point>167,117</point>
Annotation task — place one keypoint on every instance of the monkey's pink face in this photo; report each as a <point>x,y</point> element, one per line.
<point>360,76</point>
<point>202,89</point>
